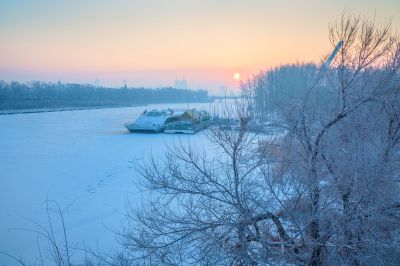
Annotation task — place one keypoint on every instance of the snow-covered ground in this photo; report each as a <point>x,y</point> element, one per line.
<point>82,159</point>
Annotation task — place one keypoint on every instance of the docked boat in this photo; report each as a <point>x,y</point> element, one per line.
<point>187,122</point>
<point>150,121</point>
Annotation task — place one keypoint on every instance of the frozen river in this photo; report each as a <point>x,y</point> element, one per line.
<point>84,160</point>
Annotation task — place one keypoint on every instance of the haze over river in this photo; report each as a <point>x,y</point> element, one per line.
<point>85,161</point>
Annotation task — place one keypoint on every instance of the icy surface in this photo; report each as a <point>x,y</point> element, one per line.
<point>85,161</point>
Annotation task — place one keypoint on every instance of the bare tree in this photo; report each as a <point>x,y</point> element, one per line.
<point>210,206</point>
<point>324,192</point>
<point>344,150</point>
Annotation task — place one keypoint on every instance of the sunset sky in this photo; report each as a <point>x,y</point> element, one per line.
<point>152,42</point>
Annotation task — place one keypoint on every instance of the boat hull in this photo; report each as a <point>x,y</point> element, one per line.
<point>144,128</point>
<point>179,131</point>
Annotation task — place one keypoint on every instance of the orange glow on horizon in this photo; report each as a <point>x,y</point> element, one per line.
<point>151,43</point>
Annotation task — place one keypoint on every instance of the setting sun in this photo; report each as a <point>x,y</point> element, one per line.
<point>236,76</point>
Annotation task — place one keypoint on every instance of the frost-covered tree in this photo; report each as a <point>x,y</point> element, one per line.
<point>270,92</point>
<point>344,148</point>
<point>36,94</point>
<point>326,192</point>
<point>210,207</point>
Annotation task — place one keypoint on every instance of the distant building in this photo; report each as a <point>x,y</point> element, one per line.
<point>97,82</point>
<point>181,84</point>
<point>222,90</point>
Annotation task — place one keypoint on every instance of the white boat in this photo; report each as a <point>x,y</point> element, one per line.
<point>150,121</point>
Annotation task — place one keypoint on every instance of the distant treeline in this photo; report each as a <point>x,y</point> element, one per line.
<point>37,95</point>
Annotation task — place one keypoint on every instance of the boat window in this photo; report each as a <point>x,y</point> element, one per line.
<point>152,113</point>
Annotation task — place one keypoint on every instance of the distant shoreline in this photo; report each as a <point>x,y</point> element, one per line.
<point>48,110</point>
<point>66,109</point>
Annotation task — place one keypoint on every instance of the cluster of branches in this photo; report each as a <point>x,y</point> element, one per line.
<point>36,94</point>
<point>326,192</point>
<point>270,92</point>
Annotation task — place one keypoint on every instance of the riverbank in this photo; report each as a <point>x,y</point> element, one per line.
<point>63,109</point>
<point>46,110</point>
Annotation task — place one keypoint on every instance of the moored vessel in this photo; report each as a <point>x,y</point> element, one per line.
<point>150,121</point>
<point>187,122</point>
